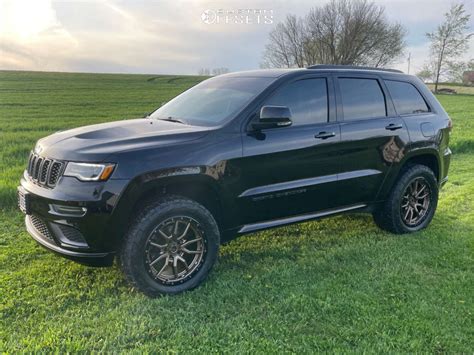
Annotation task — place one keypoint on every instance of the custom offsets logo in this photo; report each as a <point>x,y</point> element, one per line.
<point>237,17</point>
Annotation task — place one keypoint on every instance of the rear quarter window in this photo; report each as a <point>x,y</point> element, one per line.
<point>406,98</point>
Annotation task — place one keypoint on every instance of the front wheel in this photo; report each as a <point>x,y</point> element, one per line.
<point>412,202</point>
<point>171,247</point>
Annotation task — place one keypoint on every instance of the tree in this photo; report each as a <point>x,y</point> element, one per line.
<point>286,45</point>
<point>340,32</point>
<point>449,40</point>
<point>426,74</point>
<point>455,70</point>
<point>427,71</point>
<point>219,71</point>
<point>204,72</point>
<point>215,71</point>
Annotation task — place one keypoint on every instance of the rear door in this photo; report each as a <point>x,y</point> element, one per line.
<point>292,170</point>
<point>373,137</point>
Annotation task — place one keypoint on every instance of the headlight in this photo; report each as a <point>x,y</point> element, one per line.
<point>89,172</point>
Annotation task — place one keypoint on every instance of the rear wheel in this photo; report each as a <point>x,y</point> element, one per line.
<point>171,247</point>
<point>412,202</point>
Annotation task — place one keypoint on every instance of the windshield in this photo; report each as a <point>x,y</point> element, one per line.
<point>212,102</point>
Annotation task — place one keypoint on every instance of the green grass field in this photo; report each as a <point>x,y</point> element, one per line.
<point>339,284</point>
<point>460,89</point>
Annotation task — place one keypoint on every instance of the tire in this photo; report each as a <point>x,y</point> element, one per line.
<point>394,215</point>
<point>171,230</point>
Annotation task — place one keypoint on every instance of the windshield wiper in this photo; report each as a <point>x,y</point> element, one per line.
<point>172,119</point>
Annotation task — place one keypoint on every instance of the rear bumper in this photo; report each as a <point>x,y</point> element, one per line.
<point>443,182</point>
<point>445,162</point>
<point>47,241</point>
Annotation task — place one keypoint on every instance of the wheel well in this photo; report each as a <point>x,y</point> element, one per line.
<point>200,192</point>
<point>428,160</point>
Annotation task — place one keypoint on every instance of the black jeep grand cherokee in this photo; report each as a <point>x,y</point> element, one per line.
<point>236,154</point>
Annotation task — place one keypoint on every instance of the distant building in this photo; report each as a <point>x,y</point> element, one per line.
<point>468,77</point>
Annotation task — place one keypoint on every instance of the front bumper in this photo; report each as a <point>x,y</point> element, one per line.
<point>90,238</point>
<point>46,240</point>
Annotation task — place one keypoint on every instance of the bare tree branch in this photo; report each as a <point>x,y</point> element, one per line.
<point>449,40</point>
<point>340,32</point>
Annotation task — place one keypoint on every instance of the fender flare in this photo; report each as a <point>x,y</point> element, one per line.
<point>150,183</point>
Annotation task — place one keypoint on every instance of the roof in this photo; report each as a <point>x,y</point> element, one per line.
<point>267,73</point>
<point>275,73</point>
<point>352,67</point>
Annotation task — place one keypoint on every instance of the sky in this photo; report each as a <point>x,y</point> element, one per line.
<point>173,36</point>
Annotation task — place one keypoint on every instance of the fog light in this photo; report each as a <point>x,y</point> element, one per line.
<point>67,211</point>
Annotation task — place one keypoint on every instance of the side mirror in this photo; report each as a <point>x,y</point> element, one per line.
<point>273,117</point>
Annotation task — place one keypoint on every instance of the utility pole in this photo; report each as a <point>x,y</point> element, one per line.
<point>409,59</point>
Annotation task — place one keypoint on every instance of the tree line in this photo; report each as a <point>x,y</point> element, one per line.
<point>358,32</point>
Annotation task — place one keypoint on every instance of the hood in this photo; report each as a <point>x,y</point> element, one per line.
<point>97,142</point>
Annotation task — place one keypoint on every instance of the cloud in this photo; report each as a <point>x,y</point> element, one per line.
<point>163,36</point>
<point>31,37</point>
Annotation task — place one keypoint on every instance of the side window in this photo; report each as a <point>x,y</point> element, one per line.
<point>406,98</point>
<point>307,100</point>
<point>362,98</point>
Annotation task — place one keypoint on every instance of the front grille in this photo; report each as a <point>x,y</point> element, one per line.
<point>55,173</point>
<point>41,227</point>
<point>44,171</point>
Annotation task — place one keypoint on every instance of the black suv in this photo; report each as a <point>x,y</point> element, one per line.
<point>236,154</point>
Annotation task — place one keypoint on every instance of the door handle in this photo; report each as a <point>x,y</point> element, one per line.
<point>325,135</point>
<point>394,126</point>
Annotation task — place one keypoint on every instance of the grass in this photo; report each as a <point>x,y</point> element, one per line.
<point>339,284</point>
<point>460,89</point>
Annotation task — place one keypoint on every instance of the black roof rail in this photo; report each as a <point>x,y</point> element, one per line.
<point>334,66</point>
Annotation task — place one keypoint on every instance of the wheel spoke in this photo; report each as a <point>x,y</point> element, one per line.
<point>423,197</point>
<point>407,212</point>
<point>185,231</point>
<point>157,245</point>
<point>164,234</point>
<point>165,265</point>
<point>187,251</point>
<point>415,188</point>
<point>158,259</point>
<point>190,242</point>
<point>175,231</point>
<point>412,215</point>
<point>180,258</point>
<point>175,266</point>
<point>420,191</point>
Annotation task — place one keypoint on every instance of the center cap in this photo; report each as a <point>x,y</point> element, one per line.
<point>173,248</point>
